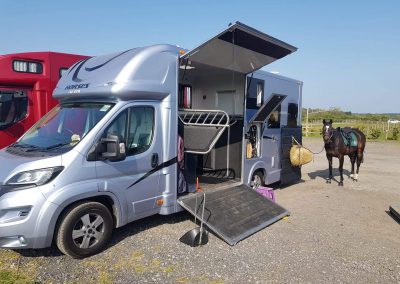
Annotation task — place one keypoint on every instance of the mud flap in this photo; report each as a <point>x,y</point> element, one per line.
<point>234,213</point>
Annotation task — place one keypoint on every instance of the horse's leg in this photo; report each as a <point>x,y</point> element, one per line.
<point>341,161</point>
<point>328,180</point>
<point>353,160</point>
<point>359,160</point>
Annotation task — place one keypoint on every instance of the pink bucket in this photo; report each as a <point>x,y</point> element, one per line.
<point>267,192</point>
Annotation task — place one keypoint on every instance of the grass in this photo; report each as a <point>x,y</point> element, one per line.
<point>13,270</point>
<point>11,277</point>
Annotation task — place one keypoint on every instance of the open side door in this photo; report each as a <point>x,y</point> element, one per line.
<point>234,213</point>
<point>239,48</point>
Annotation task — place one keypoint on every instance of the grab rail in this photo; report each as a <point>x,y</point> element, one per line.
<point>196,117</point>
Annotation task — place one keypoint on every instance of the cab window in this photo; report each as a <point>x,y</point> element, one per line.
<point>118,126</point>
<point>141,129</point>
<point>135,127</point>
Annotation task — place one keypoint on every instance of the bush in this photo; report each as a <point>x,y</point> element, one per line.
<point>375,133</point>
<point>362,128</point>
<point>395,133</point>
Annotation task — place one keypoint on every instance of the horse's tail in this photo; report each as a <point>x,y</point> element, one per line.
<point>361,144</point>
<point>362,157</point>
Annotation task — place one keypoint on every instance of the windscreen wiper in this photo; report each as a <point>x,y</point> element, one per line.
<point>25,147</point>
<point>59,145</point>
<point>18,145</point>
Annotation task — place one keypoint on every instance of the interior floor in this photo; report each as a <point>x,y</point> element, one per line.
<point>209,184</point>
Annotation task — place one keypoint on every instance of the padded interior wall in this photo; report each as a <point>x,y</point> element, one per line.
<point>209,82</point>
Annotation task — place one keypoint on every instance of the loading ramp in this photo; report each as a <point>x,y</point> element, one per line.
<point>234,213</point>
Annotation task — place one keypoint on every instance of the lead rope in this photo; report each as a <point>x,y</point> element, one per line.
<point>315,153</point>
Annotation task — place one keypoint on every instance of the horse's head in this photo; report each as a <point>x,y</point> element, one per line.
<point>327,130</point>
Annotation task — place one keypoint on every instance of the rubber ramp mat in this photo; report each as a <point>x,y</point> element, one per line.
<point>234,213</point>
<point>392,209</point>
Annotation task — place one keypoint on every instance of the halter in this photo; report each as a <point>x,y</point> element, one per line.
<point>330,133</point>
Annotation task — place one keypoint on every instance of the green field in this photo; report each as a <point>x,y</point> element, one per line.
<point>374,126</point>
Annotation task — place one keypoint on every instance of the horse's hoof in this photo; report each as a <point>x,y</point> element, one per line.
<point>340,183</point>
<point>328,181</point>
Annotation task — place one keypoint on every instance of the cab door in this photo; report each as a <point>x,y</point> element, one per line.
<point>135,180</point>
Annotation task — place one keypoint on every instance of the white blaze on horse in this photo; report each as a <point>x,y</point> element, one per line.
<point>340,142</point>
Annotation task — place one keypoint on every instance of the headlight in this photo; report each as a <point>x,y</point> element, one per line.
<point>35,177</point>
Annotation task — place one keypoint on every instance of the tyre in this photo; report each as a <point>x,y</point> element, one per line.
<point>257,180</point>
<point>84,229</point>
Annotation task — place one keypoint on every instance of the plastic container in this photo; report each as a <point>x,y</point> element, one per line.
<point>267,192</point>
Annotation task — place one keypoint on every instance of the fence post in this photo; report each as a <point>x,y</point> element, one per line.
<point>387,131</point>
<point>307,123</point>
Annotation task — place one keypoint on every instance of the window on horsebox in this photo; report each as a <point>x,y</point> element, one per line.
<point>293,112</point>
<point>13,107</point>
<point>274,119</point>
<point>62,71</point>
<point>255,94</point>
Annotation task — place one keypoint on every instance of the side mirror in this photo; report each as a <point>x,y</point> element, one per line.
<point>114,148</point>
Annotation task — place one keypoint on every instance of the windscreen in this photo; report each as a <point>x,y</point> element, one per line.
<point>63,127</point>
<point>13,107</point>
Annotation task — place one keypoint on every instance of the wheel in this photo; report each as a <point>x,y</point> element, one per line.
<point>84,229</point>
<point>257,180</point>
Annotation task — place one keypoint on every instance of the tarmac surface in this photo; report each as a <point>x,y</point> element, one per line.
<point>334,234</point>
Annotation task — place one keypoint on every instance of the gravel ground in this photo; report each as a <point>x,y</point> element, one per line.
<point>334,234</point>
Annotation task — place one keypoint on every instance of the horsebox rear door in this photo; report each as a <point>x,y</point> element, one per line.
<point>239,48</point>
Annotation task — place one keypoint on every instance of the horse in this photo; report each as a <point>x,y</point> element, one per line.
<point>335,146</point>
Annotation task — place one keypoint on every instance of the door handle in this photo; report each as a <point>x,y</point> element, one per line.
<point>154,160</point>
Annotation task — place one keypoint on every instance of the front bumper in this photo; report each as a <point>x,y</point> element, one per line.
<point>25,218</point>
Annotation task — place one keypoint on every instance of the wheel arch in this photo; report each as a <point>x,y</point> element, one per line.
<point>257,167</point>
<point>108,200</point>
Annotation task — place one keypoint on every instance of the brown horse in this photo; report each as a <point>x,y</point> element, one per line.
<point>336,147</point>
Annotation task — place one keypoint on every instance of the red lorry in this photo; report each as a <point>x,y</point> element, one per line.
<point>27,81</point>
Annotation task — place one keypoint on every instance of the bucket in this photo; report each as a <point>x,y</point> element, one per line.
<point>267,192</point>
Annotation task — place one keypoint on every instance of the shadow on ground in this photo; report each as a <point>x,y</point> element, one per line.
<point>118,235</point>
<point>146,224</point>
<point>325,173</point>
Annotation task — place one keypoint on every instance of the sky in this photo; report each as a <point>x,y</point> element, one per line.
<point>347,50</point>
